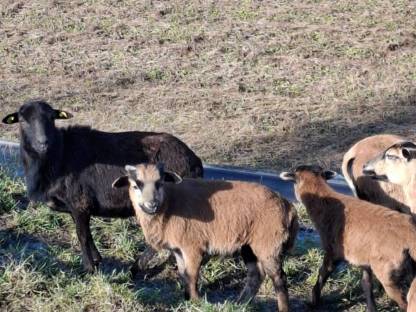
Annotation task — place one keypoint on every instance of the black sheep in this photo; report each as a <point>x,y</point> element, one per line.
<point>71,169</point>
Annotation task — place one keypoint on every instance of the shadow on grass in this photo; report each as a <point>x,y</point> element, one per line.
<point>310,139</point>
<point>19,247</point>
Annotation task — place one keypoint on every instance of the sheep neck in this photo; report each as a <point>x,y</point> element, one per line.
<point>152,226</point>
<point>314,194</point>
<point>40,173</point>
<point>410,194</point>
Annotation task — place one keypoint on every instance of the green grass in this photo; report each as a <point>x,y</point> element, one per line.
<point>41,270</point>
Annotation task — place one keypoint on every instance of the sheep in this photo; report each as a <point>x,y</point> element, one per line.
<point>195,217</point>
<point>396,165</point>
<point>71,169</point>
<point>379,240</point>
<point>365,187</point>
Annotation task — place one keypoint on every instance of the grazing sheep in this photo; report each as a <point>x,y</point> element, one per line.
<point>396,165</point>
<point>363,186</point>
<point>377,239</point>
<point>194,217</point>
<point>72,168</point>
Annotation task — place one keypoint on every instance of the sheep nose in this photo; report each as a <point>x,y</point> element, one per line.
<point>152,206</point>
<point>43,145</point>
<point>368,170</point>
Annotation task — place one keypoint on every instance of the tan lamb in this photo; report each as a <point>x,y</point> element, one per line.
<point>375,238</point>
<point>397,166</point>
<point>194,217</point>
<point>364,186</point>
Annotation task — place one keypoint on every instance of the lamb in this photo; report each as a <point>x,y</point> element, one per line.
<point>379,240</point>
<point>396,165</point>
<point>364,186</point>
<point>196,217</point>
<point>71,169</point>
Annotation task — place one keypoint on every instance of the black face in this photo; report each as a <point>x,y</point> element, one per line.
<point>37,125</point>
<point>37,122</point>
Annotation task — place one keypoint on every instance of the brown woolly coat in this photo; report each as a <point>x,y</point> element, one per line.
<point>362,233</point>
<point>220,217</point>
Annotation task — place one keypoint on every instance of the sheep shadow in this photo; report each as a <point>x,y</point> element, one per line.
<point>191,199</point>
<point>319,140</point>
<point>19,247</point>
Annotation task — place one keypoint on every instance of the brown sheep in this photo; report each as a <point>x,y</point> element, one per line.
<point>196,217</point>
<point>363,186</point>
<point>373,237</point>
<point>396,165</point>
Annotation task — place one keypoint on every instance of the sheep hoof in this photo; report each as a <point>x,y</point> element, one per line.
<point>97,260</point>
<point>315,300</point>
<point>134,270</point>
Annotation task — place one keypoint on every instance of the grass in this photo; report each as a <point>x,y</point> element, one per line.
<point>263,84</point>
<point>41,270</point>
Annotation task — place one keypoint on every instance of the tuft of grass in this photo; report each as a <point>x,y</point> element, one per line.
<point>8,188</point>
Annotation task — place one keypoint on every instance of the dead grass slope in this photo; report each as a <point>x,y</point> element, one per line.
<point>254,83</point>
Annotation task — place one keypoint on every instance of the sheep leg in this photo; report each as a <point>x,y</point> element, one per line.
<point>143,260</point>
<point>392,290</point>
<point>94,252</point>
<point>367,285</point>
<point>274,269</point>
<point>82,225</point>
<point>255,275</point>
<point>93,249</point>
<point>189,263</point>
<point>181,270</point>
<point>326,269</point>
<point>411,297</point>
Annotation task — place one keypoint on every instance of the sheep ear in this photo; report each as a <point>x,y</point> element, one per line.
<point>287,176</point>
<point>131,171</point>
<point>121,182</point>
<point>59,114</point>
<point>170,176</point>
<point>11,119</point>
<point>328,174</point>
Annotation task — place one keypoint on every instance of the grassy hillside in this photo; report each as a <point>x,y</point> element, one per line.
<point>254,83</point>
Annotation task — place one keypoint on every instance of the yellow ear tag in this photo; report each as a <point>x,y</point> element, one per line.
<point>63,115</point>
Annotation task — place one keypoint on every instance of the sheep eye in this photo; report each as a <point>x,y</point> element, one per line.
<point>391,157</point>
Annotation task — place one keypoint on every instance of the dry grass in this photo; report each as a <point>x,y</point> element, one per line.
<point>254,83</point>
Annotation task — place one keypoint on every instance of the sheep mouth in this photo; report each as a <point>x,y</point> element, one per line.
<point>373,175</point>
<point>148,210</point>
<point>382,178</point>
